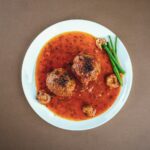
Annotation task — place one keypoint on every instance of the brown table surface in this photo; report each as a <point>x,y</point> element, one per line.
<point>20,22</point>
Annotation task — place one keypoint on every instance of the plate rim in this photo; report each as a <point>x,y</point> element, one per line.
<point>87,128</point>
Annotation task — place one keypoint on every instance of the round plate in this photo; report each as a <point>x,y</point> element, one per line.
<point>28,74</point>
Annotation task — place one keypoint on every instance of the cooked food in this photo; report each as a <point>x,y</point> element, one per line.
<point>84,81</point>
<point>60,83</point>
<point>89,110</point>
<point>100,42</point>
<point>112,81</point>
<point>43,97</point>
<point>86,68</point>
<point>112,53</point>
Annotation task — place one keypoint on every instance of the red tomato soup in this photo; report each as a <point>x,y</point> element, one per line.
<point>60,52</point>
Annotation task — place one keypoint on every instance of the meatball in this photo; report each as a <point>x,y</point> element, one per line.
<point>60,83</point>
<point>43,97</point>
<point>86,68</point>
<point>89,111</point>
<point>100,42</point>
<point>112,81</point>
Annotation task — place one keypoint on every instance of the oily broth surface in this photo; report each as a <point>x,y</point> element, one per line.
<point>59,52</point>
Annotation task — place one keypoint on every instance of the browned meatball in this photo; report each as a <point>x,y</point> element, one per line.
<point>86,68</point>
<point>89,111</point>
<point>43,97</point>
<point>60,83</point>
<point>112,81</point>
<point>100,42</point>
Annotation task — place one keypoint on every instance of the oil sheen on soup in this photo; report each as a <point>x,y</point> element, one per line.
<point>59,52</point>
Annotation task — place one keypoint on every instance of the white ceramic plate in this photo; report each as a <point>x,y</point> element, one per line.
<point>28,74</point>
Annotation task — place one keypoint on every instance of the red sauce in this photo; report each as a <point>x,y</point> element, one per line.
<point>59,52</point>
